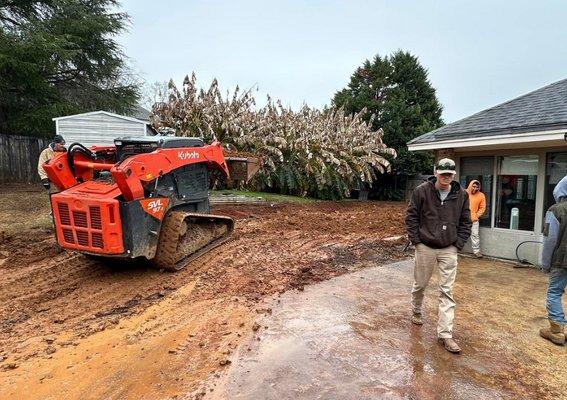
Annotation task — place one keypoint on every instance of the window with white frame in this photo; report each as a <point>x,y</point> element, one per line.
<point>516,192</point>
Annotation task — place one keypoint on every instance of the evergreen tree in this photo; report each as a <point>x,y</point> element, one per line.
<point>397,92</point>
<point>59,57</point>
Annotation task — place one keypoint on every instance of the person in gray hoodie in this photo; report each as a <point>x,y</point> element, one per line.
<point>554,261</point>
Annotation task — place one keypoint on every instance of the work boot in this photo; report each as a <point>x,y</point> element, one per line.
<point>478,255</point>
<point>450,345</point>
<point>417,319</point>
<point>555,333</point>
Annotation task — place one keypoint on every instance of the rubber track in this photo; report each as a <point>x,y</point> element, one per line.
<point>169,254</point>
<point>166,253</point>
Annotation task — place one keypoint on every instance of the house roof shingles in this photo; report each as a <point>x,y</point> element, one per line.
<point>140,113</point>
<point>542,109</point>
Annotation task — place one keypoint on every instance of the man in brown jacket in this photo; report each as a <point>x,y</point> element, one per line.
<point>438,223</point>
<point>554,261</point>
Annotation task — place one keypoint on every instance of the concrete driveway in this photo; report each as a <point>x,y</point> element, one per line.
<point>351,338</point>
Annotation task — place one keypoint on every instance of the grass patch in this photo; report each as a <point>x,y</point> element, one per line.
<point>22,208</point>
<point>270,197</point>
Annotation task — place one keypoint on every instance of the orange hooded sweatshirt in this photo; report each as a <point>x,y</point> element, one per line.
<point>477,201</point>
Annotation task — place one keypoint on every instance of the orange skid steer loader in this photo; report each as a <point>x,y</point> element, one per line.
<point>143,197</point>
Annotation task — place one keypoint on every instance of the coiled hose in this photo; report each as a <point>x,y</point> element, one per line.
<point>524,261</point>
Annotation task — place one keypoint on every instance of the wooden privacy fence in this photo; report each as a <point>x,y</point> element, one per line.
<point>19,156</point>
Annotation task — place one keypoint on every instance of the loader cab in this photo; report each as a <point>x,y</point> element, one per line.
<point>187,185</point>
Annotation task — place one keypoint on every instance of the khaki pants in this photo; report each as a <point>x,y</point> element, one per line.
<point>475,238</point>
<point>445,260</point>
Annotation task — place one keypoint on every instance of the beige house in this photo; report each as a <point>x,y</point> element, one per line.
<point>518,150</point>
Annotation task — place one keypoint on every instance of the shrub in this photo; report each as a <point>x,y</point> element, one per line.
<point>310,152</point>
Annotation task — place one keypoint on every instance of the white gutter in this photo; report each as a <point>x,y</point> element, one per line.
<point>543,136</point>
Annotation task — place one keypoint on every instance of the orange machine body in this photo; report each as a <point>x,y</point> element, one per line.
<point>112,200</point>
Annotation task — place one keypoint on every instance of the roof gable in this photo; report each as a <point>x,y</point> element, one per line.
<point>100,112</point>
<point>540,110</point>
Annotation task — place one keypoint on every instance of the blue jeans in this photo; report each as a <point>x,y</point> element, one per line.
<point>555,290</point>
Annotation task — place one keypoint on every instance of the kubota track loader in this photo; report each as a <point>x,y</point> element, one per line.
<point>144,197</point>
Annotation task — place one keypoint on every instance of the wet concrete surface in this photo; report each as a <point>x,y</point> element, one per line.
<point>351,338</point>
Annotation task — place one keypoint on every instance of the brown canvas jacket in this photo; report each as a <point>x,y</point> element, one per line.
<point>435,223</point>
<point>554,251</point>
<point>559,257</point>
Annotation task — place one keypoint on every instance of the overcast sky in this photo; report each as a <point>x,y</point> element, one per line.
<point>478,53</point>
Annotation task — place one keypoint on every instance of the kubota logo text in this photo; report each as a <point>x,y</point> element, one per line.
<point>188,155</point>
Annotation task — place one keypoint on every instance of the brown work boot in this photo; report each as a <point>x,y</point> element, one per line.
<point>478,255</point>
<point>450,345</point>
<point>555,333</point>
<point>417,319</point>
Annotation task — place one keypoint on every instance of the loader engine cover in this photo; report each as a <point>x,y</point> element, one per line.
<point>88,218</point>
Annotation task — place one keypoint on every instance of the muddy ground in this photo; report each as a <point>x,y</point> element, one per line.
<point>73,327</point>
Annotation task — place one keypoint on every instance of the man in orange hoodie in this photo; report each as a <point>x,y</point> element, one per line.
<point>478,207</point>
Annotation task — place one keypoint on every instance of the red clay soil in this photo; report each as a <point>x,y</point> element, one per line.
<point>74,327</point>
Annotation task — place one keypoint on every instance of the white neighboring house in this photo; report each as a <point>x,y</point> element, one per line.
<point>100,128</point>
